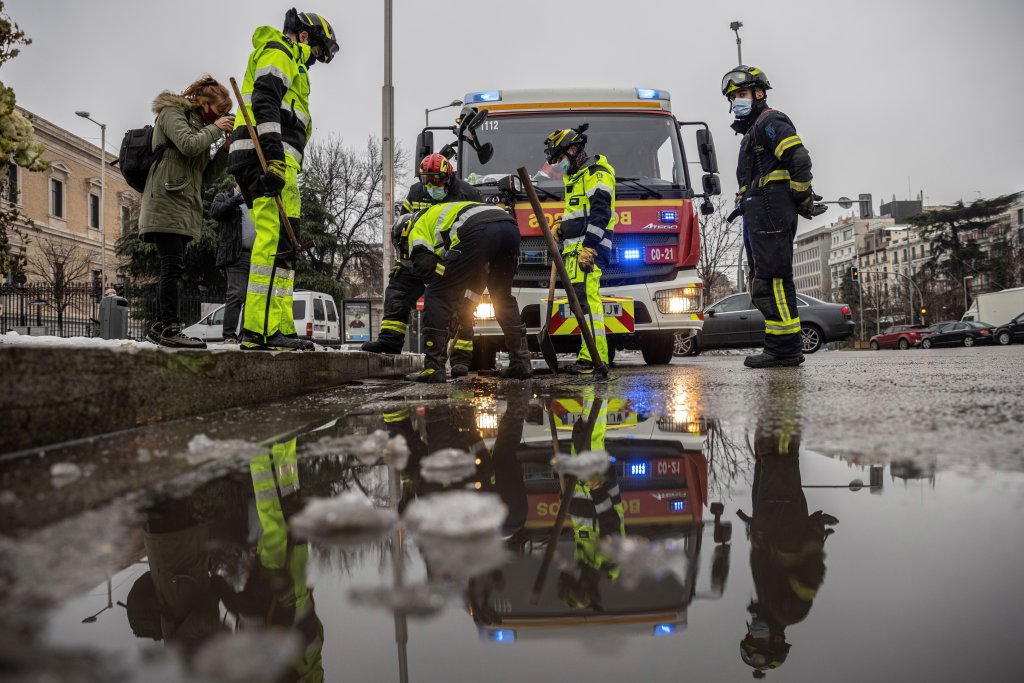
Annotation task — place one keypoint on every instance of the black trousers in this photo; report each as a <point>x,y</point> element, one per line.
<point>486,257</point>
<point>170,248</point>
<point>237,275</point>
<point>400,297</point>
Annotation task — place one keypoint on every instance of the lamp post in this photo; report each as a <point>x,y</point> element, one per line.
<point>103,190</point>
<point>735,27</point>
<point>426,112</point>
<point>388,144</point>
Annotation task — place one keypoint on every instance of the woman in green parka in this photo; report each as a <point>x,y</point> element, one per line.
<point>195,128</point>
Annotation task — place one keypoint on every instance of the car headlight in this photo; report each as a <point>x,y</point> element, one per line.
<point>679,300</point>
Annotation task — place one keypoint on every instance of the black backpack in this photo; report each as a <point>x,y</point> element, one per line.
<point>137,156</point>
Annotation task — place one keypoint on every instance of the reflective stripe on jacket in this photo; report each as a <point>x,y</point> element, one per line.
<point>439,228</point>
<point>589,211</point>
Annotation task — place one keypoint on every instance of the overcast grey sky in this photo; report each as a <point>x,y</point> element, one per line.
<point>880,91</point>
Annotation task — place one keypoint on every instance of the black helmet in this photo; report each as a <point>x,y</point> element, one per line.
<point>561,140</point>
<point>744,77</point>
<point>321,35</point>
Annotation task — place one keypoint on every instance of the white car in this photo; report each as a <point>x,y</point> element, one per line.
<point>316,319</point>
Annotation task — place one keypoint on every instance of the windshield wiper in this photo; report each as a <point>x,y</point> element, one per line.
<point>635,183</point>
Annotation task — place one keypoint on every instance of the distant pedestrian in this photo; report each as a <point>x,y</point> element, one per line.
<point>235,237</point>
<point>774,177</point>
<point>110,292</point>
<point>194,125</point>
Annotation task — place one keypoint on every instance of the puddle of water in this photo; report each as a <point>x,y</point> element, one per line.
<point>706,550</point>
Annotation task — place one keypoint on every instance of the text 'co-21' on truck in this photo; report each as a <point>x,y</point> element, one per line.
<point>650,286</point>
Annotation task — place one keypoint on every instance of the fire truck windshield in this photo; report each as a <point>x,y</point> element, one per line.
<point>642,146</point>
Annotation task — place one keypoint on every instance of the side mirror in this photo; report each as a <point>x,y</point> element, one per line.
<point>706,151</point>
<point>706,207</point>
<point>478,119</point>
<point>712,185</point>
<point>424,145</point>
<point>510,183</point>
<point>484,153</point>
<point>710,313</point>
<point>466,116</point>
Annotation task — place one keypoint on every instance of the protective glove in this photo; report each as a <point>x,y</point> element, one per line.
<point>424,263</point>
<point>586,258</point>
<point>556,229</point>
<point>734,214</point>
<point>809,208</point>
<point>272,182</point>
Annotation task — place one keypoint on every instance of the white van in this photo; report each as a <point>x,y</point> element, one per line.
<point>316,318</point>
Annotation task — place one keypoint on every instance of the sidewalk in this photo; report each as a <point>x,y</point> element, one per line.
<point>62,389</point>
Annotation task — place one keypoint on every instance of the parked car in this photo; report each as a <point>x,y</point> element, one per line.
<point>958,333</point>
<point>316,319</point>
<point>898,337</point>
<point>733,323</point>
<point>1012,331</point>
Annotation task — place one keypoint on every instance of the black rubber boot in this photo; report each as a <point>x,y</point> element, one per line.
<point>766,360</point>
<point>461,358</point>
<point>518,354</point>
<point>386,342</point>
<point>581,367</point>
<point>170,335</point>
<point>435,355</point>
<point>250,341</point>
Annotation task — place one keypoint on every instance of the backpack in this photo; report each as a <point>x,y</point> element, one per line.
<point>137,156</point>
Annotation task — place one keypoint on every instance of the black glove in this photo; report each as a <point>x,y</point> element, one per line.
<point>272,182</point>
<point>424,264</point>
<point>808,206</point>
<point>734,214</point>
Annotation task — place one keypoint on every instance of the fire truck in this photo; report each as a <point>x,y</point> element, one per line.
<point>650,286</point>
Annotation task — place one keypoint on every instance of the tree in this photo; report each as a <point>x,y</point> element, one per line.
<point>720,250</point>
<point>17,145</point>
<point>59,265</point>
<point>953,232</point>
<point>344,211</point>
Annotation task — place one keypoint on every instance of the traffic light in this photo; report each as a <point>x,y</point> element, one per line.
<point>855,274</point>
<point>924,311</point>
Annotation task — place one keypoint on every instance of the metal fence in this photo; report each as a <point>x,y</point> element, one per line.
<point>73,310</point>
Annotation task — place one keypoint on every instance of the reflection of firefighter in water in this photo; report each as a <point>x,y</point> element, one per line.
<point>595,511</point>
<point>787,557</point>
<point>276,593</point>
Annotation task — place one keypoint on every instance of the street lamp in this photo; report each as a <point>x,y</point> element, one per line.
<point>735,27</point>
<point>426,112</point>
<point>103,190</point>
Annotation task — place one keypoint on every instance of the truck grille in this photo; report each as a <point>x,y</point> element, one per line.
<point>535,263</point>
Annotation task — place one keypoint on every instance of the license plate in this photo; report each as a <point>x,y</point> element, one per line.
<point>611,309</point>
<point>666,467</point>
<point>661,254</point>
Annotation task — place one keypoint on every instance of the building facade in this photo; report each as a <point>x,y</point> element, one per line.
<point>811,252</point>
<point>62,205</point>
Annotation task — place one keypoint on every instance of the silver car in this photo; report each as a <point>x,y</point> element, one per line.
<point>733,323</point>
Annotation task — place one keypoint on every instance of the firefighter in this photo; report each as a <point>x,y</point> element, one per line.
<point>774,177</point>
<point>787,556</point>
<point>588,221</point>
<point>437,184</point>
<point>276,93</point>
<point>459,248</point>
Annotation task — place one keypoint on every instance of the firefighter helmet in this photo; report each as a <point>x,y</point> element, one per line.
<point>762,656</point>
<point>744,77</point>
<point>559,142</point>
<point>321,35</point>
<point>435,169</point>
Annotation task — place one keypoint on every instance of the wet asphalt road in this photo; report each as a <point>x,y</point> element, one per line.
<point>919,580</point>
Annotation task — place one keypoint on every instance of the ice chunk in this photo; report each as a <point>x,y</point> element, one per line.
<point>584,466</point>
<point>456,514</point>
<point>368,450</point>
<point>421,600</point>
<point>202,448</point>
<point>459,560</point>
<point>350,517</point>
<point>249,655</point>
<point>640,559</point>
<point>448,465</point>
<point>64,473</point>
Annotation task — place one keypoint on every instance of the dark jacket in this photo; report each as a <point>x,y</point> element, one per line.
<point>173,199</point>
<point>226,210</point>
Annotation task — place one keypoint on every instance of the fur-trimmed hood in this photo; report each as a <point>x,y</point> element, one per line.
<point>170,99</point>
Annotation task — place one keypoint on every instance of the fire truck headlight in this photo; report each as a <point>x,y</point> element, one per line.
<point>485,311</point>
<point>680,300</point>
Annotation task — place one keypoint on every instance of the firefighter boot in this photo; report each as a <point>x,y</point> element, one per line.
<point>462,356</point>
<point>518,353</point>
<point>435,356</point>
<point>387,342</point>
<point>767,360</point>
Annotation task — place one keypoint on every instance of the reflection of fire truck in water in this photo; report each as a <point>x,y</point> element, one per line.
<point>650,285</point>
<point>662,473</point>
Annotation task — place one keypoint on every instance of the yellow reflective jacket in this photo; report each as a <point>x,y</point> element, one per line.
<point>588,217</point>
<point>439,228</point>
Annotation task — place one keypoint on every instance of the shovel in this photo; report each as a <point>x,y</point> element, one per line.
<point>547,347</point>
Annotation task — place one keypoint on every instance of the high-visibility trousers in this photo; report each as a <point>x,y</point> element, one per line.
<point>268,296</point>
<point>587,286</point>
<point>775,298</point>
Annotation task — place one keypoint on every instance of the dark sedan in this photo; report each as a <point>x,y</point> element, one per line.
<point>732,323</point>
<point>1012,332</point>
<point>958,333</point>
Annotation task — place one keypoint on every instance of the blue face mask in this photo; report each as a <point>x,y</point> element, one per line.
<point>563,164</point>
<point>436,192</point>
<point>742,107</point>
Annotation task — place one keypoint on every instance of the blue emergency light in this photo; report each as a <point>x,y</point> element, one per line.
<point>630,254</point>
<point>502,636</point>
<point>678,505</point>
<point>668,216</point>
<point>638,469</point>
<point>651,94</point>
<point>664,629</point>
<point>484,96</point>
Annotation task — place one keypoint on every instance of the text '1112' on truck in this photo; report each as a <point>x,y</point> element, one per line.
<point>650,286</point>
